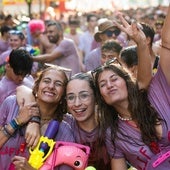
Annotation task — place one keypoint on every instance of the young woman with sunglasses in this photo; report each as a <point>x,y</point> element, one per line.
<point>135,116</point>
<point>49,94</point>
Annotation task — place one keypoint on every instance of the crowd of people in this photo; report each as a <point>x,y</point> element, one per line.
<point>106,84</point>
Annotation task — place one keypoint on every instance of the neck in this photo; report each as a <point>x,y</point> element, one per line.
<point>47,110</point>
<point>88,125</point>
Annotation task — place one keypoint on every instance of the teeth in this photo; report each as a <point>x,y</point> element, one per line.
<point>49,94</point>
<point>80,110</point>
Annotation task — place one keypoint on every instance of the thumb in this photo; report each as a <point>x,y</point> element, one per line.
<point>21,103</point>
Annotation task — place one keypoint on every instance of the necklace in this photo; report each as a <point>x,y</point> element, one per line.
<point>124,119</point>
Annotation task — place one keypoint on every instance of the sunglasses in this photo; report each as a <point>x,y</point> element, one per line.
<point>107,63</point>
<point>19,33</point>
<point>110,33</point>
<point>67,71</point>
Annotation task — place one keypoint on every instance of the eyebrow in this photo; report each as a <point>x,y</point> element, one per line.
<point>51,79</point>
<point>113,75</point>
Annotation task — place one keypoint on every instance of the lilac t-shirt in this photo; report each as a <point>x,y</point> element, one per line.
<point>8,87</point>
<point>140,156</point>
<point>8,111</point>
<point>93,59</point>
<point>69,58</point>
<point>89,139</point>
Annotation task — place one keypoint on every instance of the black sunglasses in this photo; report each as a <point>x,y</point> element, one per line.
<point>107,63</point>
<point>110,33</point>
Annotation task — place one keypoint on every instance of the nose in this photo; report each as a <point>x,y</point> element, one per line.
<point>20,77</point>
<point>51,85</point>
<point>109,84</point>
<point>77,101</point>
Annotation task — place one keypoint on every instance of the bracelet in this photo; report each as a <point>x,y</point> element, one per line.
<point>36,119</point>
<point>18,122</point>
<point>6,132</point>
<point>14,124</point>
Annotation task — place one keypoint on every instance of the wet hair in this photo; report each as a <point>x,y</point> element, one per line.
<point>111,45</point>
<point>21,61</point>
<point>129,56</point>
<point>61,107</point>
<point>139,107</point>
<point>148,31</point>
<point>4,29</point>
<point>55,23</point>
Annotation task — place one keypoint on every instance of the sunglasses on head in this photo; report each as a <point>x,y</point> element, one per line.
<point>107,63</point>
<point>16,32</point>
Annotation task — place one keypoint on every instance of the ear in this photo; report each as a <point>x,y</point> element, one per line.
<point>148,40</point>
<point>134,70</point>
<point>7,66</point>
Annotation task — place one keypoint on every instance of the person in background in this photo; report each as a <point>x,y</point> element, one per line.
<point>106,31</point>
<point>74,34</point>
<point>65,53</point>
<point>128,58</point>
<point>17,40</point>
<point>87,37</point>
<point>150,33</point>
<point>38,38</point>
<point>4,41</point>
<point>110,49</point>
<point>49,93</point>
<point>136,116</point>
<point>18,67</point>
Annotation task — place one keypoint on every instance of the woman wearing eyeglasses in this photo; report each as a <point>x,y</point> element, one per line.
<point>81,104</point>
<point>136,118</point>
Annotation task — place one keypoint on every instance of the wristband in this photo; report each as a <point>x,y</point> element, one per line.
<point>14,124</point>
<point>6,132</point>
<point>36,119</point>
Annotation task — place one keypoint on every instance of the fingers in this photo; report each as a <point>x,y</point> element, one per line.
<point>19,162</point>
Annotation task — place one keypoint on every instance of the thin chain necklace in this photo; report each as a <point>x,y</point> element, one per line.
<point>124,119</point>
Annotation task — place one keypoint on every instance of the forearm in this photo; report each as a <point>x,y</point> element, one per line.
<point>144,74</point>
<point>166,31</point>
<point>8,130</point>
<point>41,58</point>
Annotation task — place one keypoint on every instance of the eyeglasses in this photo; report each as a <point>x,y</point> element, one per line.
<point>19,33</point>
<point>83,97</point>
<point>107,63</point>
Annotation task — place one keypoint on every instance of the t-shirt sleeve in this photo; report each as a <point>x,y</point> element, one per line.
<point>159,94</point>
<point>65,132</point>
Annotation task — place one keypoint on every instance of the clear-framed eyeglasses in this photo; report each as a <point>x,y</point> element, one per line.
<point>83,97</point>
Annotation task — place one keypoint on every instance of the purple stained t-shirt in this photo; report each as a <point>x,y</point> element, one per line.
<point>140,156</point>
<point>8,87</point>
<point>8,111</point>
<point>69,58</point>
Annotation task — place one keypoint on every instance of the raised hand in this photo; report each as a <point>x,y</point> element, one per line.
<point>133,30</point>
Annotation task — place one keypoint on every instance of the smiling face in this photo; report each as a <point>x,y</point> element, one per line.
<point>51,87</point>
<point>112,88</point>
<point>83,107</point>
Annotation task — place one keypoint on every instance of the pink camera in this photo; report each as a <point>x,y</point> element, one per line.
<point>68,153</point>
